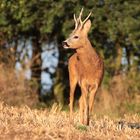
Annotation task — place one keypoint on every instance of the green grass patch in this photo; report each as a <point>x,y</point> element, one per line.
<point>81,127</point>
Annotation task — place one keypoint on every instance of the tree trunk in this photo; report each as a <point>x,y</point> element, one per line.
<point>128,55</point>
<point>36,64</point>
<point>118,59</point>
<point>59,87</point>
<point>59,83</point>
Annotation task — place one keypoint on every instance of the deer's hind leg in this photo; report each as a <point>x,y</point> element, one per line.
<point>91,97</point>
<point>88,99</point>
<point>85,97</point>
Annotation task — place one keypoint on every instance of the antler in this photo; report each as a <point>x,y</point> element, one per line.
<point>86,18</point>
<point>76,22</point>
<point>79,20</point>
<point>80,16</point>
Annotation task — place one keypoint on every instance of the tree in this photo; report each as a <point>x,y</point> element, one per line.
<point>115,28</point>
<point>116,22</point>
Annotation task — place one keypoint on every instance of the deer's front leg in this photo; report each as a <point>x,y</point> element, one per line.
<point>72,89</point>
<point>81,112</point>
<point>73,83</point>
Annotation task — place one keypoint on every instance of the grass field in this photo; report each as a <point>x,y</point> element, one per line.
<point>22,116</point>
<point>17,123</point>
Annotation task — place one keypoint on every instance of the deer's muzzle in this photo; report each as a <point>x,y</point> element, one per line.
<point>65,44</point>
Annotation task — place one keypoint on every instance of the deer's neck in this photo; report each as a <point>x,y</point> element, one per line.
<point>87,54</point>
<point>86,49</point>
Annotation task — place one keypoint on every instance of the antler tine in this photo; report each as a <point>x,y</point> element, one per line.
<point>80,16</point>
<point>76,23</point>
<point>79,19</point>
<point>87,18</point>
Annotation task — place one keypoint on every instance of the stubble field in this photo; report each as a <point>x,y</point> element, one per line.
<point>17,123</point>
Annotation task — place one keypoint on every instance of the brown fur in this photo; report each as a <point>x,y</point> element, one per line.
<point>85,68</point>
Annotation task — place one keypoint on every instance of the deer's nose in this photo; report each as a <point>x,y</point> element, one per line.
<point>64,43</point>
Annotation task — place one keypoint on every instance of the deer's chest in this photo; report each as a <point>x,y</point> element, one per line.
<point>83,68</point>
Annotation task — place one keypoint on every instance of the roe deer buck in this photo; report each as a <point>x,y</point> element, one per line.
<point>85,68</point>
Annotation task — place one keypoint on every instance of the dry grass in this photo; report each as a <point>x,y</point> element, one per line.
<point>16,91</point>
<point>24,123</point>
<point>18,119</point>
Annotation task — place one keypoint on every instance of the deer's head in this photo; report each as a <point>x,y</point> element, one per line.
<point>79,36</point>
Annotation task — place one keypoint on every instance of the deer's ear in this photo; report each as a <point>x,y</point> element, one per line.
<point>87,26</point>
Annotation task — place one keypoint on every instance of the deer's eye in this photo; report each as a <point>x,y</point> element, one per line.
<point>75,37</point>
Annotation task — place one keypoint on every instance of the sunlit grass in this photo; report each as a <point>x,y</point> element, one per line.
<point>25,123</point>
